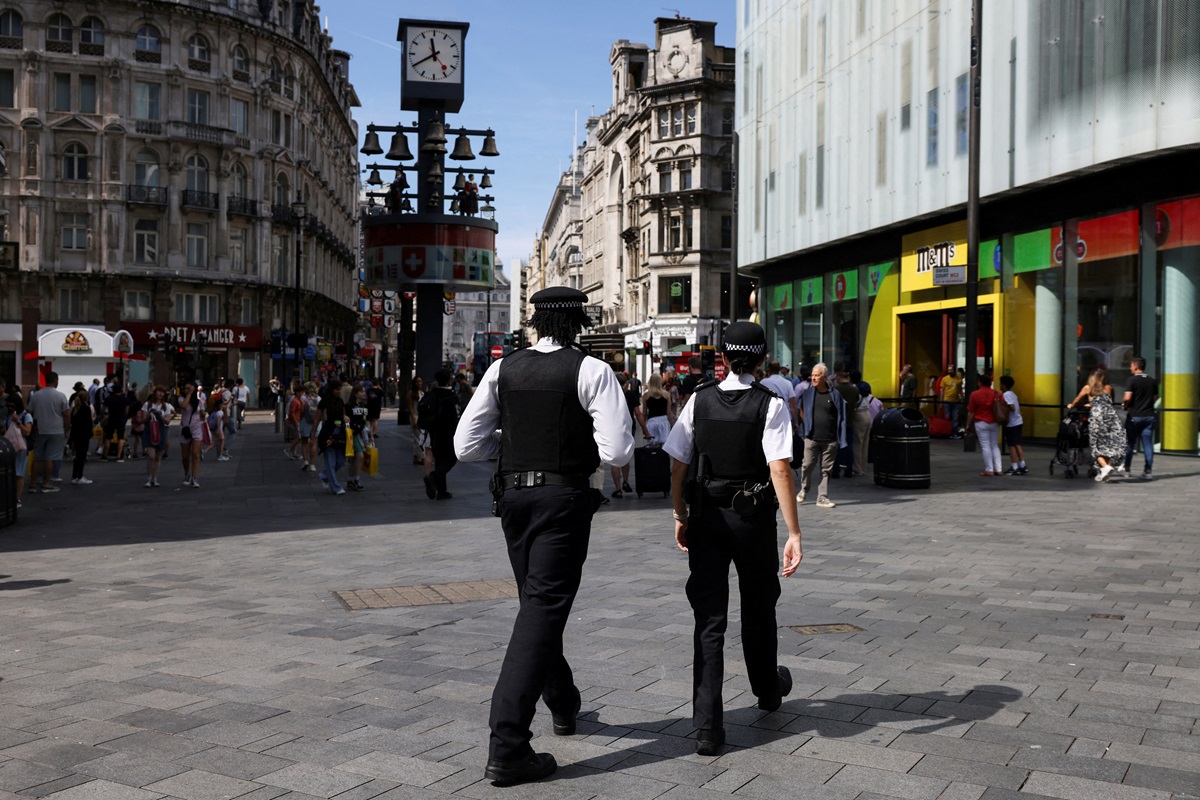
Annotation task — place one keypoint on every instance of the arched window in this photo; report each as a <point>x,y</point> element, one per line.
<point>198,52</point>
<point>59,33</point>
<point>11,24</point>
<point>91,37</point>
<point>289,83</point>
<point>283,195</point>
<point>197,174</point>
<point>276,75</point>
<point>237,186</point>
<point>241,60</point>
<point>148,45</point>
<point>145,168</point>
<point>75,163</point>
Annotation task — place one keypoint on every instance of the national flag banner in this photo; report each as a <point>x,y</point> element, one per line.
<point>376,320</point>
<point>460,272</point>
<point>376,306</point>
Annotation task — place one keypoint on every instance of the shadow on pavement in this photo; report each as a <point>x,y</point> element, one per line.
<point>12,586</point>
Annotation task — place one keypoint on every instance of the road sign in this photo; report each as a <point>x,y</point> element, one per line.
<point>310,352</point>
<point>497,351</point>
<point>950,276</point>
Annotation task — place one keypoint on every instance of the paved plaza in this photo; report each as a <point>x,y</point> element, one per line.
<point>1020,638</point>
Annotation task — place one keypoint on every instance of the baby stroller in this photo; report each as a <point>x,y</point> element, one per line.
<point>1071,448</point>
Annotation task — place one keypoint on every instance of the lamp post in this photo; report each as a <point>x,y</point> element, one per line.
<point>299,211</point>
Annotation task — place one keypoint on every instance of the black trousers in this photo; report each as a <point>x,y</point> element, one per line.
<point>547,530</point>
<point>79,449</point>
<point>444,458</point>
<point>718,537</point>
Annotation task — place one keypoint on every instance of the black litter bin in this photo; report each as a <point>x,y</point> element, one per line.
<point>8,483</point>
<point>900,449</point>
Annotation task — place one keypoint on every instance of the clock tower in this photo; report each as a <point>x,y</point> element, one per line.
<point>433,64</point>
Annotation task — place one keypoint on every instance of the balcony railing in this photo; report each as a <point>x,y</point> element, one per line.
<point>241,205</point>
<point>147,56</point>
<point>282,214</point>
<point>91,49</point>
<point>149,195</point>
<point>148,127</point>
<point>195,132</point>
<point>196,199</point>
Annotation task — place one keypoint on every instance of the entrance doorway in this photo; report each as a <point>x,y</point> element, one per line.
<point>932,340</point>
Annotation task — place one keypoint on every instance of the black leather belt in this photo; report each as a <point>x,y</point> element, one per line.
<point>526,480</point>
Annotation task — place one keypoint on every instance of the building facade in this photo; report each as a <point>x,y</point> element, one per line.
<point>656,228</point>
<point>853,131</point>
<point>153,154</point>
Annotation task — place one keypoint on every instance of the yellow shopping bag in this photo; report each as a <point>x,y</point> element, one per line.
<point>349,444</point>
<point>371,460</point>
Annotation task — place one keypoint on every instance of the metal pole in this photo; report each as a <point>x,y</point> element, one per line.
<point>299,242</point>
<point>972,309</point>
<point>733,252</point>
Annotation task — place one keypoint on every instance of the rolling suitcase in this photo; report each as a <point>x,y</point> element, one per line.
<point>652,468</point>
<point>940,428</point>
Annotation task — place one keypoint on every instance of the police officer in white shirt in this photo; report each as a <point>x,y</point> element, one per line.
<point>551,414</point>
<point>732,451</point>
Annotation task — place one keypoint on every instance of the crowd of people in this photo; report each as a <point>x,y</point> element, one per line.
<point>111,421</point>
<point>333,424</point>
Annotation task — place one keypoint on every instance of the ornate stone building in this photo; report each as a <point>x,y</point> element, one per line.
<point>656,206</point>
<point>153,153</point>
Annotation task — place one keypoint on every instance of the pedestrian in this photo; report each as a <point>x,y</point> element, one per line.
<point>804,380</point>
<point>860,422</point>
<point>79,433</point>
<point>158,413</point>
<point>1014,428</point>
<point>908,385</point>
<point>419,437</point>
<point>731,462</point>
<point>116,408</point>
<point>545,505</point>
<point>356,414</point>
<point>442,421</point>
<point>657,409</point>
<point>463,391</point>
<point>18,431</point>
<point>229,426</point>
<point>823,429</point>
<point>778,383</point>
<point>1141,393</point>
<point>241,398</point>
<point>981,420</point>
<point>950,390</point>
<point>690,381</point>
<point>633,402</point>
<point>191,432</point>
<point>1105,434</point>
<point>843,463</point>
<point>137,423</point>
<point>51,415</point>
<point>331,435</point>
<point>374,407</point>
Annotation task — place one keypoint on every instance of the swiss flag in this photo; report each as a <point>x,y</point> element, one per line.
<point>412,261</point>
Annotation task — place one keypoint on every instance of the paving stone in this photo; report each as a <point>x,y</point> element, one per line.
<point>1069,787</point>
<point>103,790</point>
<point>199,785</point>
<point>317,781</point>
<point>234,763</point>
<point>888,784</point>
<point>129,769</point>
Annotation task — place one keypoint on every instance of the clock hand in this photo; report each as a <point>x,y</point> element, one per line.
<point>434,54</point>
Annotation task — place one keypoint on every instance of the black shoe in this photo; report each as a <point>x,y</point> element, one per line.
<point>709,741</point>
<point>785,688</point>
<point>625,487</point>
<point>509,773</point>
<point>430,489</point>
<point>444,496</point>
<point>564,724</point>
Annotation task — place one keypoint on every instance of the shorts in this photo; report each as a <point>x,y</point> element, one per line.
<point>360,444</point>
<point>1013,435</point>
<point>306,429</point>
<point>49,446</point>
<point>162,440</point>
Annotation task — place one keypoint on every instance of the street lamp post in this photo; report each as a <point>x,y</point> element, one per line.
<point>299,211</point>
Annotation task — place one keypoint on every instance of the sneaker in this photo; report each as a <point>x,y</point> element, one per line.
<point>289,453</point>
<point>312,467</point>
<point>195,484</point>
<point>156,483</point>
<point>1120,471</point>
<point>340,491</point>
<point>187,479</point>
<point>1022,470</point>
<point>149,484</point>
<point>120,461</point>
<point>324,480</point>
<point>56,479</point>
<point>1012,470</point>
<point>1147,475</point>
<point>800,497</point>
<point>82,481</point>
<point>50,489</point>
<point>224,457</point>
<point>1103,474</point>
<point>825,502</point>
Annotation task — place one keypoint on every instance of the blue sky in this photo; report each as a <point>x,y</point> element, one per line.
<point>530,66</point>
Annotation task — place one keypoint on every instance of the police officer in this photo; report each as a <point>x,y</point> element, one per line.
<point>732,451</point>
<point>552,414</point>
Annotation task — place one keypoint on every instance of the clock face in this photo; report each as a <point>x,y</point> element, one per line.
<point>433,55</point>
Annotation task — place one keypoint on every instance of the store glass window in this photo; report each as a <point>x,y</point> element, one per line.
<point>1106,300</point>
<point>1177,363</point>
<point>675,294</point>
<point>844,291</point>
<point>808,342</point>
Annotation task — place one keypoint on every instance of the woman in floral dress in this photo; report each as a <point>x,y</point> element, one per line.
<point>1106,435</point>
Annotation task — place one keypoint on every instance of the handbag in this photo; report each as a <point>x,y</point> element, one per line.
<point>14,436</point>
<point>1000,408</point>
<point>207,438</point>
<point>371,460</point>
<point>350,445</point>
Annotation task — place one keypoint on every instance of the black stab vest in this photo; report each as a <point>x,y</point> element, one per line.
<point>543,425</point>
<point>729,428</point>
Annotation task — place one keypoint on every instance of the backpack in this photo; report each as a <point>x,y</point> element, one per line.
<point>1000,409</point>
<point>427,411</point>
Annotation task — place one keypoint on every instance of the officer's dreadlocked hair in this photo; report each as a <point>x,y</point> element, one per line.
<point>561,326</point>
<point>741,361</point>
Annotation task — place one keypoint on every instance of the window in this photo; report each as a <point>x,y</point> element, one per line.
<point>239,116</point>
<point>198,308</point>
<point>250,312</point>
<point>137,305</point>
<point>279,256</point>
<point>59,34</point>
<point>664,178</point>
<point>674,232</point>
<point>75,163</point>
<point>727,121</point>
<point>148,40</point>
<point>238,184</point>
<point>237,250</point>
<point>198,49</point>
<point>145,168</point>
<point>11,24</point>
<point>62,92</point>
<point>197,245</point>
<point>197,107</point>
<point>289,83</point>
<point>91,32</point>
<point>727,177</point>
<point>68,304</point>
<point>726,232</point>
<point>677,121</point>
<point>197,174</point>
<point>275,75</point>
<point>675,294</point>
<point>281,128</point>
<point>690,112</point>
<point>931,120</point>
<point>881,127</point>
<point>74,231</point>
<point>145,100</point>
<point>145,241</point>
<point>87,94</point>
<point>241,61</point>
<point>961,114</point>
<point>685,177</point>
<point>283,196</point>
<point>687,230</point>
<point>664,123</point>
<point>8,89</point>
<point>906,79</point>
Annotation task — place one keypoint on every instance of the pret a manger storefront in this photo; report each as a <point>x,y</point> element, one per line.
<point>1054,303</point>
